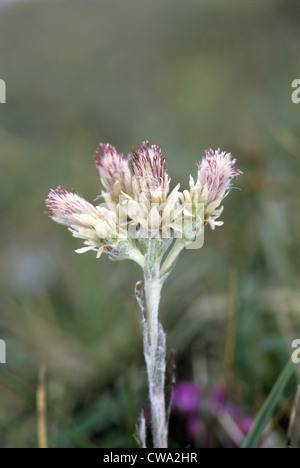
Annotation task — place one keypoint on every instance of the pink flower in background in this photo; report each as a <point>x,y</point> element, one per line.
<point>204,416</point>
<point>218,398</point>
<point>195,428</point>
<point>245,425</point>
<point>220,405</point>
<point>187,398</point>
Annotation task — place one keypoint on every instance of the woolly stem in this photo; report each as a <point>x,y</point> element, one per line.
<point>155,355</point>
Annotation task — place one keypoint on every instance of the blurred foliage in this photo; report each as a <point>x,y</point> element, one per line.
<point>186,75</point>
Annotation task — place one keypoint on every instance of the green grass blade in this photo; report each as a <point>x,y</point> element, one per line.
<point>265,413</point>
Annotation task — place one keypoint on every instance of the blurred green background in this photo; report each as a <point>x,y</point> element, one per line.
<point>187,75</point>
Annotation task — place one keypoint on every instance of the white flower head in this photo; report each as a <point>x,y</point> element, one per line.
<point>215,174</point>
<point>69,209</point>
<point>114,171</point>
<point>96,226</point>
<point>149,169</point>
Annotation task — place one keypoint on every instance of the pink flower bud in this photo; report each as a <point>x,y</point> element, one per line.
<point>114,171</point>
<point>68,208</point>
<point>149,169</point>
<point>215,174</point>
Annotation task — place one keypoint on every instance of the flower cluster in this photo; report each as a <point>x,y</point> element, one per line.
<point>138,204</point>
<point>141,219</point>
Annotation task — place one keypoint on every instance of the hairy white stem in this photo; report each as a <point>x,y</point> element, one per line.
<point>142,431</point>
<point>155,355</point>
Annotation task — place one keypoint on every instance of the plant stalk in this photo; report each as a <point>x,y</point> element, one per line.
<point>155,355</point>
